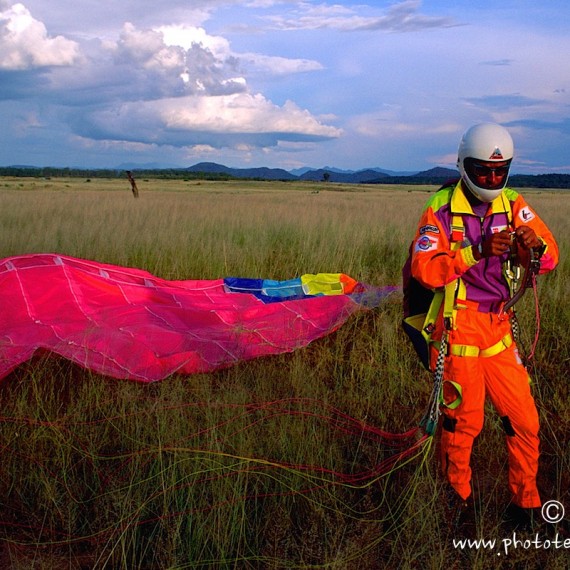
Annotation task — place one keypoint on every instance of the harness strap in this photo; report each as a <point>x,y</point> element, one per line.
<point>453,295</point>
<point>474,351</point>
<point>457,229</point>
<point>428,323</point>
<point>454,292</point>
<point>458,399</point>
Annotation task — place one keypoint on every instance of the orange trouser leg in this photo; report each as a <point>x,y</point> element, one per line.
<point>508,387</point>
<point>506,381</point>
<point>461,425</point>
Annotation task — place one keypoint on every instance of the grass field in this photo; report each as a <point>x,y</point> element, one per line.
<point>240,468</point>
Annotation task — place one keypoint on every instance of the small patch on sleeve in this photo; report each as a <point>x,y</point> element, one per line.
<point>526,215</point>
<point>426,243</point>
<point>429,228</point>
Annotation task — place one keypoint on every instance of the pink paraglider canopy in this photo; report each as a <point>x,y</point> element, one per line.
<point>126,323</point>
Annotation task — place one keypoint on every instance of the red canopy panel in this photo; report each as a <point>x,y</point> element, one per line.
<point>128,324</point>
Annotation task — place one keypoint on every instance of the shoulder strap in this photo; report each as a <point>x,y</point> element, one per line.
<point>507,209</point>
<point>454,293</point>
<point>457,230</point>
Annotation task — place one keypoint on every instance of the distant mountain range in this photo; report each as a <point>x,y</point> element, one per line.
<point>436,175</point>
<point>212,170</point>
<point>301,171</point>
<point>263,172</point>
<point>326,174</point>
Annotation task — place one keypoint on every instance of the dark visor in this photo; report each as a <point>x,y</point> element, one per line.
<point>476,170</point>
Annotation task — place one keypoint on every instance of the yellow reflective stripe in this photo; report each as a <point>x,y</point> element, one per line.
<point>470,350</point>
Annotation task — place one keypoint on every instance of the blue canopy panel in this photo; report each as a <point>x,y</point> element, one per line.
<point>267,290</point>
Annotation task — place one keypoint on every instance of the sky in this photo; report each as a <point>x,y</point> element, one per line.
<point>281,83</point>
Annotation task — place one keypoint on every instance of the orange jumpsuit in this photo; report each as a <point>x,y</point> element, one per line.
<point>500,376</point>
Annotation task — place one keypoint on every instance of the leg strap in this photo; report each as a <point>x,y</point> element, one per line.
<point>470,350</point>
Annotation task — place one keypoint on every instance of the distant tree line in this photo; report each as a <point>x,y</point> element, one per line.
<point>540,181</point>
<point>515,181</point>
<point>561,181</point>
<point>54,172</point>
<point>49,172</point>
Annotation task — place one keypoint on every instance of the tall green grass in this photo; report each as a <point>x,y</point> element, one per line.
<point>230,470</point>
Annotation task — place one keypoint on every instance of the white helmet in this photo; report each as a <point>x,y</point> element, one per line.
<point>487,142</point>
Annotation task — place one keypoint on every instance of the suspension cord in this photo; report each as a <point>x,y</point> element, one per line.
<point>431,416</point>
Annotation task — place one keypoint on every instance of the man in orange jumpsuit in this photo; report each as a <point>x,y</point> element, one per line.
<point>466,232</point>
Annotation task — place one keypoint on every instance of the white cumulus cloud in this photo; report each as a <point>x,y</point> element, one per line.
<point>186,36</point>
<point>25,43</point>
<point>241,113</point>
<point>177,61</point>
<point>147,49</point>
<point>196,38</point>
<point>216,121</point>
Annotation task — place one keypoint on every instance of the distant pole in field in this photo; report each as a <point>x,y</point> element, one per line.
<point>133,184</point>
